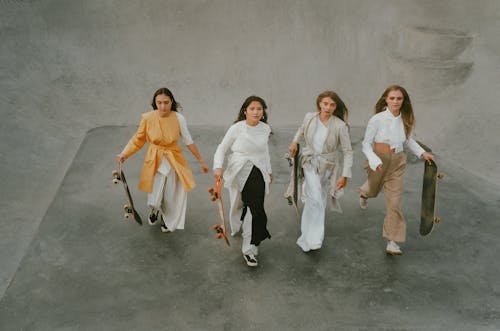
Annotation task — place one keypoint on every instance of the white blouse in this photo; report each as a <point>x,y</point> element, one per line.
<point>319,136</point>
<point>386,128</point>
<point>185,136</point>
<point>249,146</point>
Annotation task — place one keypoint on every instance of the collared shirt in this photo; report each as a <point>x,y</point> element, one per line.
<point>386,128</point>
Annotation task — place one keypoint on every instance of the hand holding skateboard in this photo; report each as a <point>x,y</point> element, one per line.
<point>216,195</point>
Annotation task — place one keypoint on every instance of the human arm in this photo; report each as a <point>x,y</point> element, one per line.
<point>374,161</point>
<point>416,149</point>
<point>194,150</point>
<point>268,160</point>
<point>188,141</point>
<point>221,150</point>
<point>345,143</point>
<point>292,147</point>
<point>135,143</point>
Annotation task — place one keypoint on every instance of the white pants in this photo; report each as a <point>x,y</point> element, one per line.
<point>314,196</point>
<point>170,198</point>
<point>235,211</point>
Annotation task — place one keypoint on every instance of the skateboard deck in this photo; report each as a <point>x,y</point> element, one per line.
<point>219,228</point>
<point>119,176</point>
<point>294,163</point>
<point>429,198</point>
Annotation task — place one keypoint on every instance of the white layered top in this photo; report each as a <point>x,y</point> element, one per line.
<point>249,147</point>
<point>386,128</point>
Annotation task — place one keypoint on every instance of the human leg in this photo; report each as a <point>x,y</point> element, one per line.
<point>312,223</point>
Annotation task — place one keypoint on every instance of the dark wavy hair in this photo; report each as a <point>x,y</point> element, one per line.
<point>167,92</point>
<point>406,108</point>
<point>341,109</point>
<point>248,101</point>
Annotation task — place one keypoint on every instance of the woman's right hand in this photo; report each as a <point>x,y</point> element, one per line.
<point>120,158</point>
<point>218,173</point>
<point>292,148</point>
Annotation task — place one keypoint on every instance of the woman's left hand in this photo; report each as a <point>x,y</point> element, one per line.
<point>204,167</point>
<point>341,183</point>
<point>428,157</point>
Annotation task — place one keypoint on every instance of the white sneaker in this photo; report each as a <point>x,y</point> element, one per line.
<point>250,259</point>
<point>363,202</point>
<point>393,248</point>
<point>164,229</point>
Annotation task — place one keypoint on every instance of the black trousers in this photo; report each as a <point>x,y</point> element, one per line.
<point>253,197</point>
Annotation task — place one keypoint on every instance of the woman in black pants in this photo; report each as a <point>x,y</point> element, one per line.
<point>247,175</point>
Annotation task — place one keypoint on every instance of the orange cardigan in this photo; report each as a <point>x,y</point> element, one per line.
<point>162,133</point>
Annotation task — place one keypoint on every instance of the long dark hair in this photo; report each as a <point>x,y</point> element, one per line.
<point>406,108</point>
<point>167,92</point>
<point>244,106</point>
<point>341,109</point>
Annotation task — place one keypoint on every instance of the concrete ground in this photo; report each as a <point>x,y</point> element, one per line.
<point>74,78</point>
<point>89,269</point>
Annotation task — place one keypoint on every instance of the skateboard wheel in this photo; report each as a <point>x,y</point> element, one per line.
<point>213,198</point>
<point>437,220</point>
<point>215,227</point>
<point>127,215</point>
<point>218,235</point>
<point>210,190</point>
<point>440,175</point>
<point>115,181</point>
<point>125,207</point>
<point>114,173</point>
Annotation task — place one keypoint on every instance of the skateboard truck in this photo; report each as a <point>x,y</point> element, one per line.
<point>116,177</point>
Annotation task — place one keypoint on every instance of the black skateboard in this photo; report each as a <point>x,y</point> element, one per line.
<point>429,198</point>
<point>119,176</point>
<point>294,164</point>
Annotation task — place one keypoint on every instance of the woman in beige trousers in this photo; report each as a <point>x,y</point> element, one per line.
<point>386,133</point>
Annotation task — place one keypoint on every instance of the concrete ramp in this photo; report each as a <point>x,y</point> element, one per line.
<point>89,269</point>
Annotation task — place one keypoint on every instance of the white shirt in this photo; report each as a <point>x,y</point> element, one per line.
<point>185,136</point>
<point>386,128</point>
<point>249,146</point>
<point>319,136</point>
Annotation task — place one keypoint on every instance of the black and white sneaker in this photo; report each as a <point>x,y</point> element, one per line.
<point>250,259</point>
<point>164,229</point>
<point>153,217</point>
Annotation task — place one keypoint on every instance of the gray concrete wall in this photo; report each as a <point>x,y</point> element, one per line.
<point>69,66</point>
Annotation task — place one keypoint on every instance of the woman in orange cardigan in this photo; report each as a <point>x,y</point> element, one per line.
<point>166,175</point>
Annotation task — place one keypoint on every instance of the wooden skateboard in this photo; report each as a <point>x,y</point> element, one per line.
<point>294,163</point>
<point>119,176</point>
<point>216,195</point>
<point>429,198</point>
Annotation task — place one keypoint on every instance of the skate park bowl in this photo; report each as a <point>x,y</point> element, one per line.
<point>75,77</point>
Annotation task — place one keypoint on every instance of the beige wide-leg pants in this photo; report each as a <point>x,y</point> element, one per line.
<point>391,179</point>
